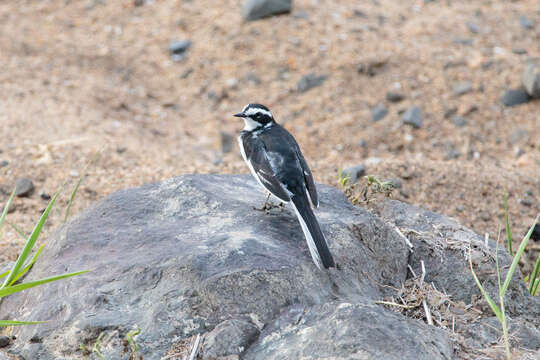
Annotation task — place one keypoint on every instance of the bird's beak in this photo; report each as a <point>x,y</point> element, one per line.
<point>240,114</point>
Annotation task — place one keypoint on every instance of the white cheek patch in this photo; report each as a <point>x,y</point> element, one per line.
<point>250,124</point>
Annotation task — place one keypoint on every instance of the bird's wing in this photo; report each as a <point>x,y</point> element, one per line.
<point>310,183</point>
<point>254,154</point>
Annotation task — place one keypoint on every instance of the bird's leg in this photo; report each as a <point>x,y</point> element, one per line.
<point>265,207</point>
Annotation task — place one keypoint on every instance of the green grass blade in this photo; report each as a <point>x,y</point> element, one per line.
<point>517,257</point>
<point>497,263</point>
<point>508,232</point>
<point>17,323</point>
<point>534,276</point>
<point>536,287</point>
<point>6,208</point>
<point>20,287</point>
<point>29,266</point>
<point>4,274</point>
<point>488,298</point>
<point>72,197</point>
<point>29,243</point>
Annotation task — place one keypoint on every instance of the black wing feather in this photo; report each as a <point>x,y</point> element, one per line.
<point>256,156</point>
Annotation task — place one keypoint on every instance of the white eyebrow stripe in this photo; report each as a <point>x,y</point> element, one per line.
<point>253,111</point>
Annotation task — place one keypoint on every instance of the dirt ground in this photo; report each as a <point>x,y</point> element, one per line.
<point>91,82</point>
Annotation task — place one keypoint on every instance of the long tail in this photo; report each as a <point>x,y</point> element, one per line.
<point>312,231</point>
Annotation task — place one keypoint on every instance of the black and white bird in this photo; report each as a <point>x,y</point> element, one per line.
<point>276,162</point>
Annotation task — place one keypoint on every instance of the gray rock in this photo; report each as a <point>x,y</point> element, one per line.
<point>178,48</point>
<point>515,97</point>
<point>231,337</point>
<point>378,112</point>
<point>4,341</point>
<point>535,236</point>
<point>413,117</point>
<point>24,187</point>
<point>354,173</point>
<point>525,22</point>
<point>519,51</point>
<point>364,332</point>
<point>393,96</point>
<point>189,256</point>
<point>459,120</point>
<point>310,81</point>
<point>180,257</point>
<point>462,88</point>
<point>258,9</point>
<point>4,163</point>
<point>531,79</point>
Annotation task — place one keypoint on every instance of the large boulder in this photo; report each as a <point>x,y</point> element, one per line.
<point>190,256</point>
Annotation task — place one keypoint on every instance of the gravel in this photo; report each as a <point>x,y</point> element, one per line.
<point>413,117</point>
<point>515,97</point>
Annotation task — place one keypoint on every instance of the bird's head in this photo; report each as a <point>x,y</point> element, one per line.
<point>255,115</point>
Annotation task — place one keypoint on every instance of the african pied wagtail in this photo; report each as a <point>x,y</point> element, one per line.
<point>276,162</point>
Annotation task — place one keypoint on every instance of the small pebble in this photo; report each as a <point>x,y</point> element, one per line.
<point>459,121</point>
<point>462,88</point>
<point>515,97</point>
<point>531,79</point>
<point>413,117</point>
<point>310,81</point>
<point>3,163</point>
<point>45,196</point>
<point>393,96</point>
<point>475,29</point>
<point>24,187</point>
<point>378,112</point>
<point>4,341</point>
<point>178,48</point>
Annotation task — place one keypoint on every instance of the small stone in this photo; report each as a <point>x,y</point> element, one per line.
<point>519,51</point>
<point>258,9</point>
<point>4,163</point>
<point>515,97</point>
<point>462,41</point>
<point>527,201</point>
<point>138,2</point>
<point>531,79</point>
<point>227,141</point>
<point>24,187</point>
<point>413,117</point>
<point>354,173</point>
<point>178,48</point>
<point>459,121</point>
<point>525,22</point>
<point>518,136</point>
<point>378,112</point>
<point>462,88</point>
<point>475,29</point>
<point>393,96</point>
<point>4,341</point>
<point>310,81</point>
<point>45,196</point>
<point>453,153</point>
<point>450,111</point>
<point>484,215</point>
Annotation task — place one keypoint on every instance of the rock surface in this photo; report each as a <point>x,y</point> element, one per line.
<point>258,9</point>
<point>190,255</point>
<point>413,117</point>
<point>515,97</point>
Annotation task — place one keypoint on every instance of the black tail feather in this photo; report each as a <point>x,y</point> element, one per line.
<point>317,243</point>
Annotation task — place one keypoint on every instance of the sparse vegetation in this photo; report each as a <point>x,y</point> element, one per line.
<point>357,193</point>
<point>499,310</point>
<point>25,263</point>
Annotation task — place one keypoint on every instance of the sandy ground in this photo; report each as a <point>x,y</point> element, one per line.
<point>91,82</point>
